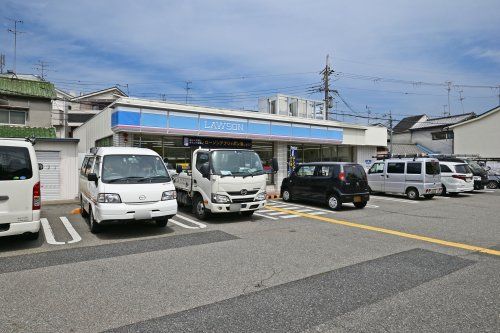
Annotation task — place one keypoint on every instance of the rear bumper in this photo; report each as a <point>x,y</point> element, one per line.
<point>346,198</point>
<point>124,211</point>
<point>20,228</point>
<point>459,188</point>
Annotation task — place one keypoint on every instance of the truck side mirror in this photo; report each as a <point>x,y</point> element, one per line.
<point>178,168</point>
<point>205,170</point>
<point>92,177</point>
<point>275,164</point>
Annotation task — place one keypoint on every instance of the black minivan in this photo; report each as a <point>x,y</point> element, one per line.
<point>333,183</point>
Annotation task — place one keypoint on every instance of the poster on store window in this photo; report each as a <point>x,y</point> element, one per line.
<point>293,158</point>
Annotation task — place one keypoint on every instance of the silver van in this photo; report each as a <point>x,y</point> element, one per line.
<point>414,177</point>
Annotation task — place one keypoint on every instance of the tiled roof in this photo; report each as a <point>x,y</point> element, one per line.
<point>443,121</point>
<point>26,88</point>
<point>25,132</point>
<point>407,123</point>
<point>406,149</point>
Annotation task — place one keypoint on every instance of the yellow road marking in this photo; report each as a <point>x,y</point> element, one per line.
<point>390,232</point>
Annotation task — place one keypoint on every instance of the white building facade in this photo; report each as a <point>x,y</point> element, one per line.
<point>175,130</point>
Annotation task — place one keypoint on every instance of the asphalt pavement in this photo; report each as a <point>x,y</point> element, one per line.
<point>394,266</point>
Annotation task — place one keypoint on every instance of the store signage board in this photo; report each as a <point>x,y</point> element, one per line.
<point>207,125</point>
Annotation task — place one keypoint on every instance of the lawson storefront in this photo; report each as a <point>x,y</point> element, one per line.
<point>175,130</point>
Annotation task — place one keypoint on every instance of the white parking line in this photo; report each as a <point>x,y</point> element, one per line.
<point>182,224</point>
<point>199,224</point>
<point>288,216</point>
<point>74,235</point>
<point>49,235</point>
<point>276,213</point>
<point>394,199</point>
<point>268,217</point>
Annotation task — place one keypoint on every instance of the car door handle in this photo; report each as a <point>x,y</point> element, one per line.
<point>4,197</point>
<point>387,176</point>
<point>195,182</point>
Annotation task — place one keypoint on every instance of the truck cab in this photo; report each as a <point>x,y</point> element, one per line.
<point>223,181</point>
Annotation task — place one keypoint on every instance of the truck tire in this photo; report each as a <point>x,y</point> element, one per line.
<point>199,208</point>
<point>412,193</point>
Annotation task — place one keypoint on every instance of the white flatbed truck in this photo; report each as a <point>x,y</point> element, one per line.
<point>223,181</point>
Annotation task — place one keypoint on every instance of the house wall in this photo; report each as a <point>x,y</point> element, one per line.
<point>481,137</point>
<point>39,113</point>
<point>424,138</point>
<point>96,128</point>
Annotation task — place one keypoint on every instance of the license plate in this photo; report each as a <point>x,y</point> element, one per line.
<point>142,215</point>
<point>234,207</point>
<point>357,198</point>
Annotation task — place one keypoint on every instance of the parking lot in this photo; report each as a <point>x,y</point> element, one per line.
<point>396,265</point>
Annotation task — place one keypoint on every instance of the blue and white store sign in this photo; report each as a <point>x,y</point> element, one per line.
<point>170,122</point>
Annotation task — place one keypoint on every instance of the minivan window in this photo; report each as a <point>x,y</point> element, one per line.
<point>15,163</point>
<point>462,168</point>
<point>414,168</point>
<point>88,167</point>
<point>377,168</point>
<point>306,170</point>
<point>444,168</point>
<point>84,165</point>
<point>324,171</point>
<point>133,169</point>
<point>354,172</point>
<point>395,167</point>
<point>432,168</point>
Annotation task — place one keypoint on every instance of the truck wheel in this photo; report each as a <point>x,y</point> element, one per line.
<point>162,223</point>
<point>95,228</point>
<point>361,204</point>
<point>333,202</point>
<point>287,195</point>
<point>199,208</point>
<point>247,213</point>
<point>412,193</point>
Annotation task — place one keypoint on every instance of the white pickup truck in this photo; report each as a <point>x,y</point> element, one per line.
<point>223,181</point>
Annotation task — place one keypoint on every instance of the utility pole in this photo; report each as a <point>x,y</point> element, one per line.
<point>2,62</point>
<point>461,100</point>
<point>327,71</point>
<point>369,112</point>
<point>444,110</point>
<point>15,32</point>
<point>498,95</point>
<point>449,90</point>
<point>41,66</point>
<point>187,90</point>
<point>390,133</point>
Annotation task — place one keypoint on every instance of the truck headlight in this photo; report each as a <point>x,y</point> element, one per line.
<point>220,198</point>
<point>109,198</point>
<point>168,195</point>
<point>261,196</point>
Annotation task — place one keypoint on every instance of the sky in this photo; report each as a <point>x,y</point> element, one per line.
<point>386,55</point>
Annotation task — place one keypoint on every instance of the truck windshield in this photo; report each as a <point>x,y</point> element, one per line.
<point>236,163</point>
<point>133,169</point>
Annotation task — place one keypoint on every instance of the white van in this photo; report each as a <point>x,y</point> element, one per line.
<point>119,184</point>
<point>20,199</point>
<point>414,177</point>
<point>456,177</point>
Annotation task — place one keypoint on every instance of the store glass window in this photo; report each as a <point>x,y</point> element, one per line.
<point>345,154</point>
<point>265,150</point>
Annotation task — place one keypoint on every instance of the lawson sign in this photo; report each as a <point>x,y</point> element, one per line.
<point>171,122</point>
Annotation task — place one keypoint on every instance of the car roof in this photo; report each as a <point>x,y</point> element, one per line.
<point>451,162</point>
<point>410,159</point>
<point>124,151</point>
<point>15,143</point>
<point>328,163</point>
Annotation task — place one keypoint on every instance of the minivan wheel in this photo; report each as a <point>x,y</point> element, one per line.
<point>95,228</point>
<point>287,196</point>
<point>83,212</point>
<point>32,235</point>
<point>199,208</point>
<point>361,204</point>
<point>492,184</point>
<point>412,193</point>
<point>333,202</point>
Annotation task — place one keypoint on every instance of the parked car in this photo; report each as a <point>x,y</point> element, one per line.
<point>333,183</point>
<point>414,177</point>
<point>20,197</point>
<point>456,178</point>
<point>493,181</point>
<point>480,174</point>
<point>119,184</point>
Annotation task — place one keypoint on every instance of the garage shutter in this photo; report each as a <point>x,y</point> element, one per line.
<point>50,176</point>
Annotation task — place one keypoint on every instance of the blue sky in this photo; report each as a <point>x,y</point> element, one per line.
<point>236,51</point>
